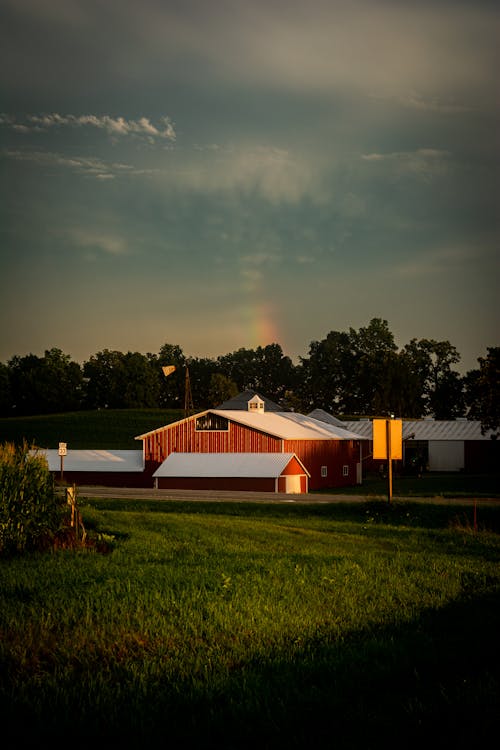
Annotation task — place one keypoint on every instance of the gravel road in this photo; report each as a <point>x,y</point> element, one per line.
<point>141,493</point>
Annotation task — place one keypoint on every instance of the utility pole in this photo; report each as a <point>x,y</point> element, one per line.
<point>389,459</point>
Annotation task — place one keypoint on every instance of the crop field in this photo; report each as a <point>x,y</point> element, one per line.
<point>256,625</point>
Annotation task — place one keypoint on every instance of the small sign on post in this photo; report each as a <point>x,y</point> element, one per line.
<point>63,451</point>
<point>388,444</point>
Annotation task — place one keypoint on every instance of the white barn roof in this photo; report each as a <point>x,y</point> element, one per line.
<point>94,460</point>
<point>224,465</point>
<point>290,425</point>
<point>284,425</point>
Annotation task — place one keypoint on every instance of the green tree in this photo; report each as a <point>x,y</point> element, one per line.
<point>201,372</point>
<point>141,388</point>
<point>121,381</point>
<point>5,391</point>
<point>264,369</point>
<point>483,391</point>
<point>221,389</point>
<point>43,385</point>
<point>326,375</point>
<point>441,386</point>
<point>376,366</point>
<point>352,372</point>
<point>172,388</point>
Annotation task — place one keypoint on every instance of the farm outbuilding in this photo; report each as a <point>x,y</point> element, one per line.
<point>252,424</point>
<point>97,467</point>
<point>253,472</point>
<point>436,445</point>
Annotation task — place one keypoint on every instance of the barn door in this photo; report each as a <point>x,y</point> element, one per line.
<point>293,484</point>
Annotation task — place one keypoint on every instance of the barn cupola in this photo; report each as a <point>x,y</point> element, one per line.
<point>256,405</point>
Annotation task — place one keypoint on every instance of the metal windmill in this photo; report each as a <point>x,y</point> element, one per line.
<point>188,396</point>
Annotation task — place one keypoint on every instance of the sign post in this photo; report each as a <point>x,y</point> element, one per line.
<point>388,445</point>
<point>63,451</point>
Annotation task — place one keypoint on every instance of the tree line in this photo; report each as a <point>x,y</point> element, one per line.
<point>348,373</point>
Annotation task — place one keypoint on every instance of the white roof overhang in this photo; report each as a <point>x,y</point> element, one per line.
<point>226,465</point>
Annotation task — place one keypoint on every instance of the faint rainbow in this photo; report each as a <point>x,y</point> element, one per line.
<point>261,321</point>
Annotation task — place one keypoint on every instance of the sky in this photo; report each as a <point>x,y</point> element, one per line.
<point>220,174</point>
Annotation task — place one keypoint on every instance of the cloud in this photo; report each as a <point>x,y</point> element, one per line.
<point>273,173</point>
<point>113,126</point>
<point>438,260</point>
<point>423,162</point>
<point>413,100</point>
<point>261,259</point>
<point>106,243</point>
<point>87,166</point>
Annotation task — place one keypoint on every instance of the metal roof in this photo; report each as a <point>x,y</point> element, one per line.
<point>287,425</point>
<point>224,465</point>
<point>323,416</point>
<point>428,429</point>
<point>94,460</point>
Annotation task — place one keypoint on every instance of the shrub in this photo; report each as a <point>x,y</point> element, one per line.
<point>30,511</point>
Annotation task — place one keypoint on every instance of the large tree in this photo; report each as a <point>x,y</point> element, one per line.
<point>483,391</point>
<point>326,374</point>
<point>43,385</point>
<point>5,391</point>
<point>172,386</point>
<point>354,372</point>
<point>441,386</point>
<point>264,369</point>
<point>121,381</point>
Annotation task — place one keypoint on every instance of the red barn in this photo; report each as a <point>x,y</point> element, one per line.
<point>254,472</point>
<point>250,424</point>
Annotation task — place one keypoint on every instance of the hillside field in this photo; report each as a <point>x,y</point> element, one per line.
<point>114,429</point>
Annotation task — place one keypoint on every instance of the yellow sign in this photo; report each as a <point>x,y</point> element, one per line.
<point>387,431</point>
<point>168,370</point>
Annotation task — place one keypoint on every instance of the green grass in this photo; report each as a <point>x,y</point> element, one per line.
<point>103,428</point>
<point>236,625</point>
<point>434,484</point>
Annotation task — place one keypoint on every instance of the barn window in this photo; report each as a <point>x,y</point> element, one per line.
<point>345,470</point>
<point>324,471</point>
<point>212,423</point>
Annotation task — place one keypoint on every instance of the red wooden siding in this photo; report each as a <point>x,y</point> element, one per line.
<point>292,467</point>
<point>334,454</point>
<point>183,438</point>
<point>240,484</point>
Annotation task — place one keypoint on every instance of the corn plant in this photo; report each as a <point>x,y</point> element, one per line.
<point>30,511</point>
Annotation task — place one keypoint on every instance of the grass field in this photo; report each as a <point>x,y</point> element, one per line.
<point>234,625</point>
<point>103,428</point>
<point>434,484</point>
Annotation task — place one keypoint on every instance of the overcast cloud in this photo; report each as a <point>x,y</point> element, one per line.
<point>232,174</point>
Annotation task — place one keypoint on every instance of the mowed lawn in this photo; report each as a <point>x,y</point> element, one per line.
<point>254,625</point>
